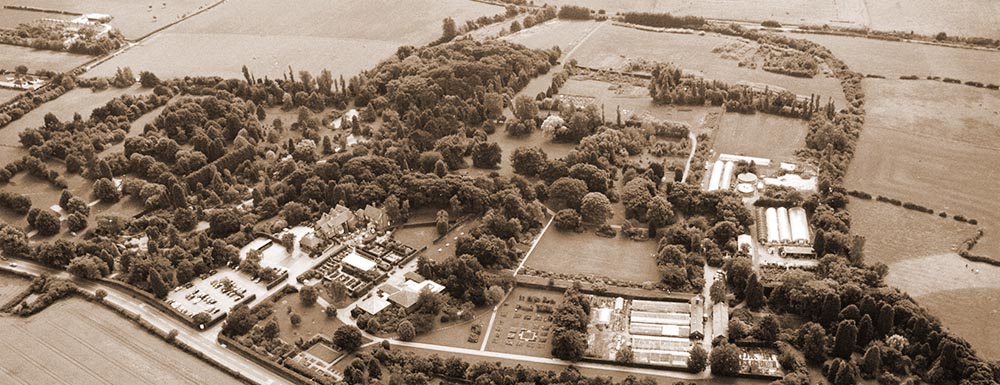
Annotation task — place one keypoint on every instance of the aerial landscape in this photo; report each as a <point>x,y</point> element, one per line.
<point>500,192</point>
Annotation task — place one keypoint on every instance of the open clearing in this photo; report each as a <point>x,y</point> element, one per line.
<point>615,258</point>
<point>77,342</point>
<point>897,59</point>
<point>933,144</point>
<point>133,18</point>
<point>964,294</point>
<point>345,37</point>
<point>761,135</point>
<point>35,59</point>
<point>612,47</point>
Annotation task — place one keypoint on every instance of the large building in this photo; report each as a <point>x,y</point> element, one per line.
<point>338,221</point>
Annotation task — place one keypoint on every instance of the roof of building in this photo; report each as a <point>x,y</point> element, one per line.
<point>309,241</point>
<point>405,298</point>
<point>413,276</point>
<point>373,305</point>
<point>389,289</point>
<point>409,292</point>
<point>418,287</point>
<point>798,250</point>
<point>358,262</point>
<point>337,216</point>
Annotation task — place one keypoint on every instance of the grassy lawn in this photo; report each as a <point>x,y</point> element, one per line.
<point>314,320</point>
<point>589,254</point>
<point>761,135</point>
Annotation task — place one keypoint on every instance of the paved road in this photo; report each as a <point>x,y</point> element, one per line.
<point>202,341</point>
<point>553,361</point>
<point>694,147</point>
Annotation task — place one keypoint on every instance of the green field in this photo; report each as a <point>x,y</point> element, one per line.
<point>76,342</point>
<point>345,37</point>
<point>587,254</point>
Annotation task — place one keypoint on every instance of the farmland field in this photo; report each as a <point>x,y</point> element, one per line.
<point>962,17</point>
<point>132,18</point>
<point>339,36</point>
<point>932,143</point>
<point>612,47</point>
<point>963,294</point>
<point>10,18</point>
<point>896,234</point>
<point>10,286</point>
<point>761,135</point>
<point>615,258</point>
<point>6,94</point>
<point>76,342</point>
<point>12,56</point>
<point>941,152</point>
<point>904,59</point>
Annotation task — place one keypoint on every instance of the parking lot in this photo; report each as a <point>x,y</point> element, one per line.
<point>215,294</point>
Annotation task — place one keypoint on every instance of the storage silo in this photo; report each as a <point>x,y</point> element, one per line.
<point>727,176</point>
<point>771,220</point>
<point>713,183</point>
<point>784,225</point>
<point>800,224</point>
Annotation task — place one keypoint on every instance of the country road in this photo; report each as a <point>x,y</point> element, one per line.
<point>201,341</point>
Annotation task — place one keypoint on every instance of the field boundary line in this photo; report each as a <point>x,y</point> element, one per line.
<point>496,308</point>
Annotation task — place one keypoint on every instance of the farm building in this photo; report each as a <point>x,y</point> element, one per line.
<point>727,176</point>
<point>800,225</point>
<point>793,181</point>
<point>797,252</point>
<point>784,225</point>
<point>716,179</point>
<point>720,319</point>
<point>697,316</point>
<point>745,240</point>
<point>771,216</point>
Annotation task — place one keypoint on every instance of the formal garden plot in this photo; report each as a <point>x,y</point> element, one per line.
<point>523,323</point>
<point>617,258</point>
<point>77,340</point>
